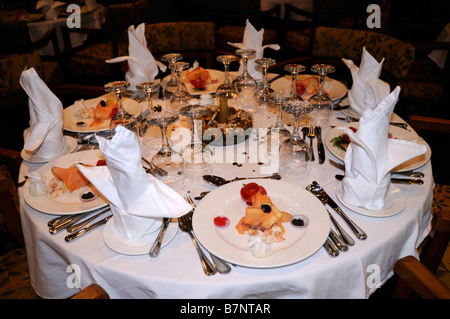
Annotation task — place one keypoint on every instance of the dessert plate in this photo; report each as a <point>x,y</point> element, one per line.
<point>67,203</point>
<point>228,244</point>
<point>118,242</point>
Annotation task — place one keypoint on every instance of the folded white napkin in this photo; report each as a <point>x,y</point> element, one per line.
<point>90,4</point>
<point>142,66</point>
<point>371,156</point>
<point>253,39</point>
<point>440,56</point>
<point>367,90</point>
<point>44,137</point>
<point>138,201</point>
<point>48,8</point>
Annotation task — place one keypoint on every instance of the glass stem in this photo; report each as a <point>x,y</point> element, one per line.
<point>294,83</point>
<point>279,123</point>
<point>165,147</point>
<point>179,81</point>
<point>321,80</point>
<point>245,63</point>
<point>265,84</point>
<point>119,102</point>
<point>150,104</point>
<point>296,131</point>
<point>226,67</point>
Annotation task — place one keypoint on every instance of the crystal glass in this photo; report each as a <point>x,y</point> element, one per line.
<point>172,85</point>
<point>181,96</point>
<point>226,89</point>
<point>166,158</point>
<point>323,105</point>
<point>262,95</point>
<point>122,117</point>
<point>245,84</point>
<point>148,88</point>
<point>294,69</point>
<point>197,155</point>
<point>295,153</point>
<point>280,98</point>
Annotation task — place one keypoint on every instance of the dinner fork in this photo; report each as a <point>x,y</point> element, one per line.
<point>221,266</point>
<point>185,223</point>
<point>311,135</point>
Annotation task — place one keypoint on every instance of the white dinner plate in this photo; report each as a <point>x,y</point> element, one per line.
<point>70,119</point>
<point>118,242</point>
<point>69,146</point>
<point>67,203</point>
<point>217,78</point>
<point>394,203</point>
<point>397,132</point>
<point>334,88</point>
<point>229,245</point>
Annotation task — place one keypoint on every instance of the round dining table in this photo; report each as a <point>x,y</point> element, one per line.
<point>59,269</point>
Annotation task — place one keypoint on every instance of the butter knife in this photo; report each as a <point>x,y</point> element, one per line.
<point>154,251</point>
<point>408,181</point>
<point>320,148</point>
<point>85,230</point>
<point>355,228</point>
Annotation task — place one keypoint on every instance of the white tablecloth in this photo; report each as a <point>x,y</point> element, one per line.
<point>177,273</point>
<point>93,19</point>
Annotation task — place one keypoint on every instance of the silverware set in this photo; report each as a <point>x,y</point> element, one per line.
<point>313,132</point>
<point>408,181</point>
<point>338,240</point>
<point>78,225</point>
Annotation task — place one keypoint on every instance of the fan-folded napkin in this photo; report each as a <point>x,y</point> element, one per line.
<point>48,8</point>
<point>44,137</point>
<point>253,39</point>
<point>138,201</point>
<point>142,66</point>
<point>367,90</point>
<point>371,156</point>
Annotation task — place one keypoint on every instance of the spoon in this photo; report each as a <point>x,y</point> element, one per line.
<point>219,181</point>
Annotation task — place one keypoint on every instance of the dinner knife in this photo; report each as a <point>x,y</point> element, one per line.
<point>154,251</point>
<point>77,226</point>
<point>320,148</point>
<point>408,181</point>
<point>66,223</point>
<point>85,230</point>
<point>330,247</point>
<point>355,228</point>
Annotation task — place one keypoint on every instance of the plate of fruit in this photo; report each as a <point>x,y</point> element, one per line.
<point>262,224</point>
<point>199,80</point>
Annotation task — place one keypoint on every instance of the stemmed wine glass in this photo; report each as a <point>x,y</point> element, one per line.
<point>172,85</point>
<point>166,158</point>
<point>262,95</point>
<point>181,96</point>
<point>197,155</point>
<point>295,152</point>
<point>226,89</point>
<point>122,117</point>
<point>323,105</point>
<point>294,69</point>
<point>148,88</point>
<point>245,83</point>
<point>280,98</point>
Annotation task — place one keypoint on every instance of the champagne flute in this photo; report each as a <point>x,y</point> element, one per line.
<point>147,87</point>
<point>181,96</point>
<point>172,85</point>
<point>226,89</point>
<point>122,117</point>
<point>294,69</point>
<point>280,98</point>
<point>262,95</point>
<point>322,103</point>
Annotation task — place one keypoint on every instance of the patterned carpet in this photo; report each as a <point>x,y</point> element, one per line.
<point>15,278</point>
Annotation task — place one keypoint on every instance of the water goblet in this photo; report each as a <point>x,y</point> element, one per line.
<point>122,117</point>
<point>295,153</point>
<point>148,87</point>
<point>197,155</point>
<point>226,89</point>
<point>181,96</point>
<point>262,95</point>
<point>245,84</point>
<point>279,98</point>
<point>294,69</point>
<point>323,105</point>
<point>172,85</point>
<point>166,158</point>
